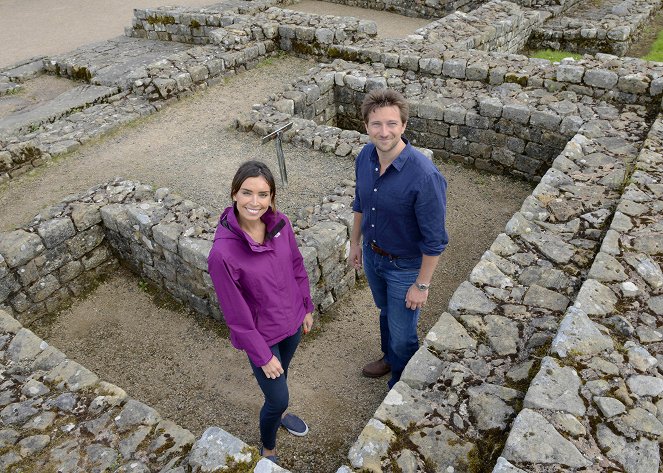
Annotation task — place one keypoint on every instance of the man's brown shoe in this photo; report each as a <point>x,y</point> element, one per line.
<point>376,369</point>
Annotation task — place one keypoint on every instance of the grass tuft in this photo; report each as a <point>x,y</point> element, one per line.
<point>656,51</point>
<point>554,56</point>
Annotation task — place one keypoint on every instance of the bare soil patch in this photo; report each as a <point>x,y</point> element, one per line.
<point>46,27</point>
<point>390,25</point>
<point>33,93</point>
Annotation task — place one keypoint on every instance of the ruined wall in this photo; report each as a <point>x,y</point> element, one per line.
<point>417,8</point>
<point>609,28</point>
<point>162,237</point>
<point>59,416</point>
<point>481,114</point>
<point>603,373</point>
<point>229,29</point>
<point>498,26</point>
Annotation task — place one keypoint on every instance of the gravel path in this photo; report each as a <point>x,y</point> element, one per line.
<point>184,366</point>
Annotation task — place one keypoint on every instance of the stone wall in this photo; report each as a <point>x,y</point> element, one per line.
<point>299,32</point>
<point>416,9</point>
<point>59,416</point>
<point>162,237</point>
<point>499,26</point>
<point>488,118</point>
<point>588,29</point>
<point>600,388</point>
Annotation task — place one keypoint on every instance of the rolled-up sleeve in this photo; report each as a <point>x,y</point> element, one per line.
<point>236,312</point>
<point>431,210</point>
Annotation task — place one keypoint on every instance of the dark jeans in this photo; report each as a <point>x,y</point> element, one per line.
<point>389,280</point>
<point>275,390</point>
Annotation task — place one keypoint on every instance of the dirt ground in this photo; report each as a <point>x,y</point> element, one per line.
<point>184,366</point>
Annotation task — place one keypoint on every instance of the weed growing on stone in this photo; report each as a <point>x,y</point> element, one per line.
<point>553,56</point>
<point>233,466</point>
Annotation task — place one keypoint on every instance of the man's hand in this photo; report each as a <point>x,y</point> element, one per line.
<point>354,259</point>
<point>308,323</point>
<point>273,368</point>
<point>415,298</point>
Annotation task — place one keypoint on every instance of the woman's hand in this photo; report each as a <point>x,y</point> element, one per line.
<point>308,323</point>
<point>273,368</point>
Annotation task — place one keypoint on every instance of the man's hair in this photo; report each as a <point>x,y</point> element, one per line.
<point>378,98</point>
<point>254,169</point>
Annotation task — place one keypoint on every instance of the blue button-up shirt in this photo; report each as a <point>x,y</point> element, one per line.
<point>404,210</point>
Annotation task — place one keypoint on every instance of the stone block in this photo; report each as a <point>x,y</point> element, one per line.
<point>167,235</point>
<point>454,68</point>
<point>25,346</point>
<point>477,71</point>
<point>19,247</point>
<point>371,446</point>
<point>195,251</point>
<point>43,288</point>
<point>490,107</point>
<point>634,84</point>
<point>215,449</point>
<point>402,406</point>
<point>600,78</point>
<point>325,237</point>
<point>85,241</point>
<point>70,270</point>
<point>96,257</point>
<point>449,335</point>
<point>517,113</point>
<point>430,66</point>
<point>110,215</point>
<point>529,432</point>
<point>547,120</point>
<point>85,215</point>
<point>557,388</point>
<point>409,62</point>
<point>55,231</point>
<point>28,273</point>
<point>570,73</point>
<point>75,376</point>
<point>145,215</point>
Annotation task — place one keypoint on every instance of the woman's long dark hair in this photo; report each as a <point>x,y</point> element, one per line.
<point>254,169</point>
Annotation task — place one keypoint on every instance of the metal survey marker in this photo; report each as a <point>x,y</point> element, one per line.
<point>276,135</point>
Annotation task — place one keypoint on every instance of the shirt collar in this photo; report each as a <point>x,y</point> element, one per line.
<point>401,159</point>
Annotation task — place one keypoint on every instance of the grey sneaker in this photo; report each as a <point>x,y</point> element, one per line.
<point>294,425</point>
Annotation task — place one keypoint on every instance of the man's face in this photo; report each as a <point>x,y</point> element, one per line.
<point>384,128</point>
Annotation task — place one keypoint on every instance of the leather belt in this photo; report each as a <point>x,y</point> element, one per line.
<point>381,252</point>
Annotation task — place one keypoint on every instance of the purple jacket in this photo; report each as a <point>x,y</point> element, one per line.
<point>263,289</point>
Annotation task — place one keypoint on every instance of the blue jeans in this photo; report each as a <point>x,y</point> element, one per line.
<point>389,280</point>
<point>275,390</point>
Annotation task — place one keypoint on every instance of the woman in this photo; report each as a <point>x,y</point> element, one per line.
<point>263,289</point>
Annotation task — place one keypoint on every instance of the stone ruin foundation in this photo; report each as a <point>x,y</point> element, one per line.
<point>549,355</point>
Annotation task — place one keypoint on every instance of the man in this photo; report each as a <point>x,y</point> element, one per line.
<point>399,209</point>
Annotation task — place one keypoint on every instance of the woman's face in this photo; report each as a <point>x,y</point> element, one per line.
<point>253,199</point>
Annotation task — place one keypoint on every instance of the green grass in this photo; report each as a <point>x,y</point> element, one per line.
<point>554,56</point>
<point>656,51</point>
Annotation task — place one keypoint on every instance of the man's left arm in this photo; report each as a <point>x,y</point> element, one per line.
<point>416,298</point>
<point>430,210</point>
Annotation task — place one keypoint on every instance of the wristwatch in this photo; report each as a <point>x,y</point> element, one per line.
<point>422,286</point>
